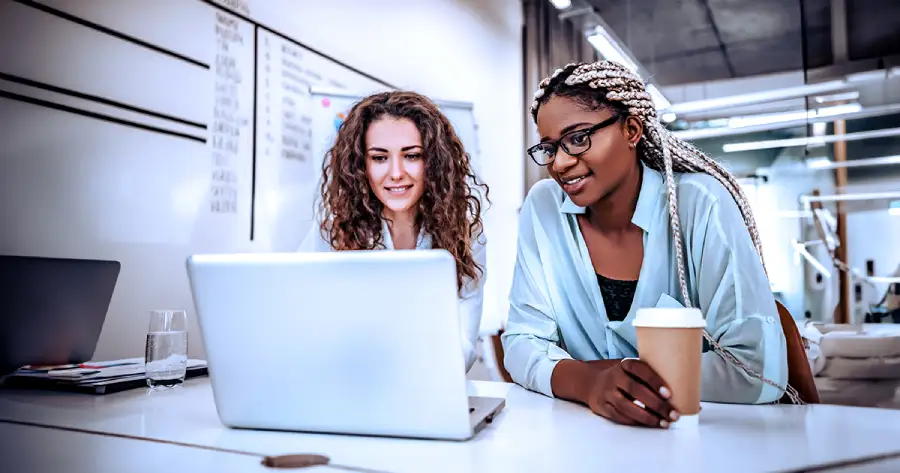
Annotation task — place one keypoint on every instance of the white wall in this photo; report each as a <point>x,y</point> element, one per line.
<point>467,50</point>
<point>452,50</point>
<point>873,233</point>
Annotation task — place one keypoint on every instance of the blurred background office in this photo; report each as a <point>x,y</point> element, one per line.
<point>143,132</point>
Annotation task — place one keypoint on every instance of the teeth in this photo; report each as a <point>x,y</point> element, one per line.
<point>576,180</point>
<point>398,189</point>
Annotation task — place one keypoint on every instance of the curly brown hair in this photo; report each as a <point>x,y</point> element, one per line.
<point>449,210</point>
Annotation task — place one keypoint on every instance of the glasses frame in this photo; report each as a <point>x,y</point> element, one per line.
<point>557,144</point>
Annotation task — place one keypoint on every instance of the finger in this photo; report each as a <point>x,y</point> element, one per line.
<point>643,397</point>
<point>642,372</point>
<point>628,408</point>
<point>606,410</point>
<point>617,417</point>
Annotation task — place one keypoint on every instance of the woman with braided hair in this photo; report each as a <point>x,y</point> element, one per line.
<point>398,178</point>
<point>633,217</point>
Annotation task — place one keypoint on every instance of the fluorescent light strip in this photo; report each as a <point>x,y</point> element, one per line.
<point>609,48</point>
<point>601,40</point>
<point>768,118</point>
<point>659,100</point>
<point>561,4</point>
<point>852,95</point>
<point>825,163</point>
<point>726,131</point>
<point>759,97</point>
<point>845,197</point>
<point>810,140</point>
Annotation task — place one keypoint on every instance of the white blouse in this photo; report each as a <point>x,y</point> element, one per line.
<point>557,311</point>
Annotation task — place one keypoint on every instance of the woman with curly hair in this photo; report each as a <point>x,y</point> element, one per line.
<point>398,178</point>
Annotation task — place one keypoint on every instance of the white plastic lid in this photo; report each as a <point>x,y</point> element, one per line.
<point>686,422</point>
<point>658,317</point>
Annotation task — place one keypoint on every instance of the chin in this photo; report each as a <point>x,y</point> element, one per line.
<point>399,206</point>
<point>587,197</point>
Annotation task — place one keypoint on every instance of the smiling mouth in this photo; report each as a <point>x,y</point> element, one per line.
<point>398,189</point>
<point>575,180</point>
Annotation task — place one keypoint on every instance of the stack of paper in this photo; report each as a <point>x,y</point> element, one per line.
<point>93,374</point>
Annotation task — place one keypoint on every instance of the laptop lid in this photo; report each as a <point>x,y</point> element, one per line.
<point>53,309</point>
<point>354,342</point>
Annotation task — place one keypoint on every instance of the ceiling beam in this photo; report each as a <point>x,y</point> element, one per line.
<point>827,73</point>
<point>839,31</point>
<point>715,29</point>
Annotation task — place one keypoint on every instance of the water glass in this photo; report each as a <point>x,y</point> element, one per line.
<point>165,355</point>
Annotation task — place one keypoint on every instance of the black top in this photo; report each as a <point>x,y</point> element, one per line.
<point>617,296</point>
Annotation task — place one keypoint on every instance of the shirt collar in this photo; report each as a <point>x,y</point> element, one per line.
<point>647,203</point>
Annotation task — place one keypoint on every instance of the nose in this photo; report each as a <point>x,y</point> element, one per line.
<point>396,170</point>
<point>562,161</point>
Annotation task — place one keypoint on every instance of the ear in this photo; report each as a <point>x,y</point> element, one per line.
<point>633,129</point>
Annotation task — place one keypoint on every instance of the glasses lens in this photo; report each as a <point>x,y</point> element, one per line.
<point>576,143</point>
<point>542,154</point>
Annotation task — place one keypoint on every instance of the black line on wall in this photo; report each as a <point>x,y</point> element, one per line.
<point>297,43</point>
<point>253,146</point>
<point>110,32</point>
<point>98,99</point>
<point>99,116</point>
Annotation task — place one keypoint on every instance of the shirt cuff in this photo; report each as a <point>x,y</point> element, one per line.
<point>544,371</point>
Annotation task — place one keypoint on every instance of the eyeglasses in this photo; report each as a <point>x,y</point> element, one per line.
<point>574,143</point>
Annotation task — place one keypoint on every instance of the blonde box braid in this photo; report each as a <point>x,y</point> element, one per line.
<point>661,151</point>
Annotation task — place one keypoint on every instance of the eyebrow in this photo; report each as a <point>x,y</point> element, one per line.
<point>567,129</point>
<point>405,148</point>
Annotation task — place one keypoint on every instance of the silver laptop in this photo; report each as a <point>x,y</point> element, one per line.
<point>353,342</point>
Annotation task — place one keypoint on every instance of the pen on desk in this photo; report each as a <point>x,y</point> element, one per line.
<point>101,365</point>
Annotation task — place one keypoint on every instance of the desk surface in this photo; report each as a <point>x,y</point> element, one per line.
<point>533,433</point>
<point>27,449</point>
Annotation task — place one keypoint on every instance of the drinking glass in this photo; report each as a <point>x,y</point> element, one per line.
<point>165,355</point>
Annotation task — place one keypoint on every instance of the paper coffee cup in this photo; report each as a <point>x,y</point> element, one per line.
<point>671,342</point>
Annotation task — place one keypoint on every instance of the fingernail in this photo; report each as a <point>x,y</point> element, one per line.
<point>664,392</point>
<point>664,424</point>
<point>674,416</point>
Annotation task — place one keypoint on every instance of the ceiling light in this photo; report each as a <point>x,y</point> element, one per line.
<point>759,97</point>
<point>867,76</point>
<point>806,199</point>
<point>659,99</point>
<point>601,40</point>
<point>764,119</point>
<point>719,128</point>
<point>809,140</point>
<point>669,117</point>
<point>769,118</point>
<point>852,95</point>
<point>561,4</point>
<point>825,163</point>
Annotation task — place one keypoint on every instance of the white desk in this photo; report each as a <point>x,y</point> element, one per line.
<point>532,434</point>
<point>27,449</point>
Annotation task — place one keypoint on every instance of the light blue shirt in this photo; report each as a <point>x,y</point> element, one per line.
<point>557,312</point>
<point>471,296</point>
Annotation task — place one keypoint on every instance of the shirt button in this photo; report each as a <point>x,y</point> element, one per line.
<point>770,319</point>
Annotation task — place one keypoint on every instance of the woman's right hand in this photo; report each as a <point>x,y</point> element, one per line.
<point>631,393</point>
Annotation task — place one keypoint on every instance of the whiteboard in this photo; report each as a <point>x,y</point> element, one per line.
<point>330,106</point>
<point>144,132</point>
